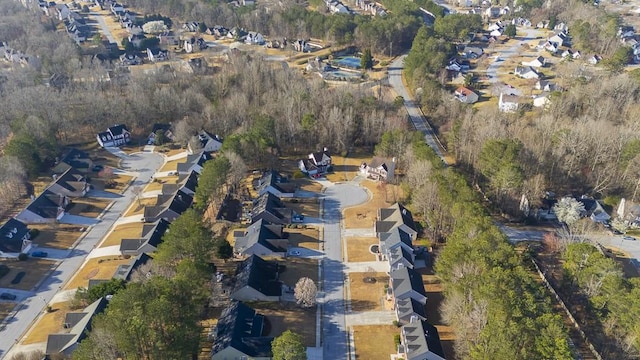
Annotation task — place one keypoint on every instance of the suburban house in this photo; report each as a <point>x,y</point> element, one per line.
<point>571,54</point>
<point>164,129</point>
<point>46,208</point>
<point>80,325</point>
<point>392,240</point>
<point>508,103</point>
<point>114,136</point>
<point>274,183</point>
<point>466,95</point>
<point>593,209</point>
<point>125,271</point>
<point>492,12</point>
<point>73,158</point>
<point>408,310</point>
<point>419,340</point>
<point>400,257</point>
<point>395,216</point>
<point>14,238</point>
<point>379,169</point>
<point>194,162</point>
<point>208,142</point>
<point>560,38</point>
<point>472,52</point>
<point>545,85</point>
<point>316,163</point>
<point>168,207</point>
<point>254,38</point>
<point>537,62</point>
<point>270,208</point>
<point>187,183</point>
<point>130,59</point>
<point>526,72</point>
<point>595,59</point>
<point>149,240</point>
<point>156,55</point>
<point>71,183</point>
<point>406,283</point>
<point>257,280</point>
<point>261,238</point>
<point>238,335</point>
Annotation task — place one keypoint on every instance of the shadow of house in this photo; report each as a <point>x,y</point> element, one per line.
<point>80,325</point>
<point>187,183</point>
<point>125,271</point>
<point>257,280</point>
<point>14,238</point>
<point>274,183</point>
<point>168,207</point>
<point>194,162</point>
<point>71,183</point>
<point>270,208</point>
<point>148,242</point>
<point>261,238</point>
<point>74,158</point>
<point>238,335</point>
<point>420,341</point>
<point>46,208</point>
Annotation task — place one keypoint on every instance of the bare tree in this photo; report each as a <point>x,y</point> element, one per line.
<point>305,292</point>
<point>237,168</point>
<point>137,192</point>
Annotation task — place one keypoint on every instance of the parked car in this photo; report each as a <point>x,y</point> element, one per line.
<point>39,254</point>
<point>629,238</point>
<point>98,168</point>
<point>7,296</point>
<point>298,218</point>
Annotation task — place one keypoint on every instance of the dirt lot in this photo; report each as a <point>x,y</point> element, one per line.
<point>363,216</point>
<point>124,231</point>
<point>58,236</point>
<point>375,342</point>
<point>297,268</point>
<point>157,185</point>
<point>88,207</point>
<point>34,270</point>
<point>137,207</point>
<point>288,316</point>
<point>49,323</point>
<point>306,238</point>
<point>96,268</point>
<point>367,296</point>
<point>309,208</point>
<point>358,248</point>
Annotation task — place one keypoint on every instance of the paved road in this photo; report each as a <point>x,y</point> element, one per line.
<point>336,198</point>
<point>146,164</point>
<point>414,112</point>
<point>99,18</point>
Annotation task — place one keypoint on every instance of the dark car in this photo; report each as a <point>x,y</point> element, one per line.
<point>7,296</point>
<point>98,168</point>
<point>40,254</point>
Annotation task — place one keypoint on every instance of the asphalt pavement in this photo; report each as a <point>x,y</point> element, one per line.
<point>145,165</point>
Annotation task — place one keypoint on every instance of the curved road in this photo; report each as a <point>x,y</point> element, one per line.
<point>33,303</point>
<point>415,114</point>
<point>334,332</point>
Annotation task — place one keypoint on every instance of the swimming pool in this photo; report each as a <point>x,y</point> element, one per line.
<point>351,62</point>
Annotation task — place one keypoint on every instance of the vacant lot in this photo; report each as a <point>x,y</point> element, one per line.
<point>363,216</point>
<point>367,296</point>
<point>288,316</point>
<point>33,269</point>
<point>101,268</point>
<point>57,236</point>
<point>358,248</point>
<point>158,182</point>
<point>49,323</point>
<point>137,207</point>
<point>88,207</point>
<point>373,342</point>
<point>306,238</point>
<point>297,268</point>
<point>308,208</point>
<point>125,231</point>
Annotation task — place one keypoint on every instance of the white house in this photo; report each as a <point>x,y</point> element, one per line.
<point>114,136</point>
<point>156,55</point>
<point>545,85</point>
<point>466,95</point>
<point>508,103</point>
<point>559,38</point>
<point>380,169</point>
<point>208,142</point>
<point>537,62</point>
<point>526,72</point>
<point>542,100</point>
<point>595,59</point>
<point>254,38</point>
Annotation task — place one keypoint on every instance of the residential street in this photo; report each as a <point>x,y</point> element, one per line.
<point>414,112</point>
<point>145,165</point>
<point>99,18</point>
<point>336,198</point>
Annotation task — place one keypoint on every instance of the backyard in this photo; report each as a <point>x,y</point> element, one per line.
<point>24,275</point>
<point>375,342</point>
<point>367,295</point>
<point>101,268</point>
<point>125,231</point>
<point>358,248</point>
<point>57,236</point>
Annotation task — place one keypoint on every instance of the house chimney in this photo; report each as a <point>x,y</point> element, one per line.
<point>325,149</point>
<point>394,159</point>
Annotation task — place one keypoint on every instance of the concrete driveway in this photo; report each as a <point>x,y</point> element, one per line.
<point>146,164</point>
<point>53,254</point>
<point>78,220</point>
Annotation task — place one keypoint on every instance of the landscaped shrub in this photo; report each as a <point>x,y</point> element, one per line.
<point>298,174</point>
<point>23,257</point>
<point>397,324</point>
<point>34,232</point>
<point>4,270</point>
<point>396,339</point>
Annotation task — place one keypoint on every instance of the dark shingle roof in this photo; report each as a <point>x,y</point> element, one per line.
<point>65,343</point>
<point>274,179</point>
<point>124,271</point>
<point>421,339</point>
<point>76,158</point>
<point>46,205</point>
<point>185,181</point>
<point>259,274</point>
<point>273,206</point>
<point>72,180</point>
<point>118,129</point>
<point>192,160</point>
<point>178,203</point>
<point>404,280</point>
<point>241,327</point>
<point>11,234</point>
<point>260,232</point>
<point>406,308</point>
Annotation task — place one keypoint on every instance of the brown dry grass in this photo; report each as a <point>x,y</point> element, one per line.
<point>367,296</point>
<point>363,216</point>
<point>34,269</point>
<point>346,168</point>
<point>124,231</point>
<point>306,238</point>
<point>358,248</point>
<point>297,268</point>
<point>373,342</point>
<point>157,185</point>
<point>49,323</point>
<point>5,309</point>
<point>137,207</point>
<point>88,207</point>
<point>96,268</point>
<point>171,165</point>
<point>288,316</point>
<point>57,236</point>
<point>308,209</point>
<point>172,152</point>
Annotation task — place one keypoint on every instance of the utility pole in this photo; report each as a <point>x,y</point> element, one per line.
<point>391,49</point>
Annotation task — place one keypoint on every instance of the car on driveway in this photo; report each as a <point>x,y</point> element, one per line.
<point>294,253</point>
<point>629,238</point>
<point>298,218</point>
<point>39,254</point>
<point>7,296</point>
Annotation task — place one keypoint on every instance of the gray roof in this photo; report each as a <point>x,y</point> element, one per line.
<point>185,181</point>
<point>392,238</point>
<point>260,232</point>
<point>400,255</point>
<point>271,208</point>
<point>76,158</point>
<point>405,280</point>
<point>72,180</point>
<point>124,271</point>
<point>241,327</point>
<point>151,234</point>
<point>406,308</point>
<point>274,179</point>
<point>193,160</point>
<point>422,341</point>
<point>395,215</point>
<point>260,275</point>
<point>80,324</point>
<point>46,205</point>
<point>178,203</point>
<point>11,234</point>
